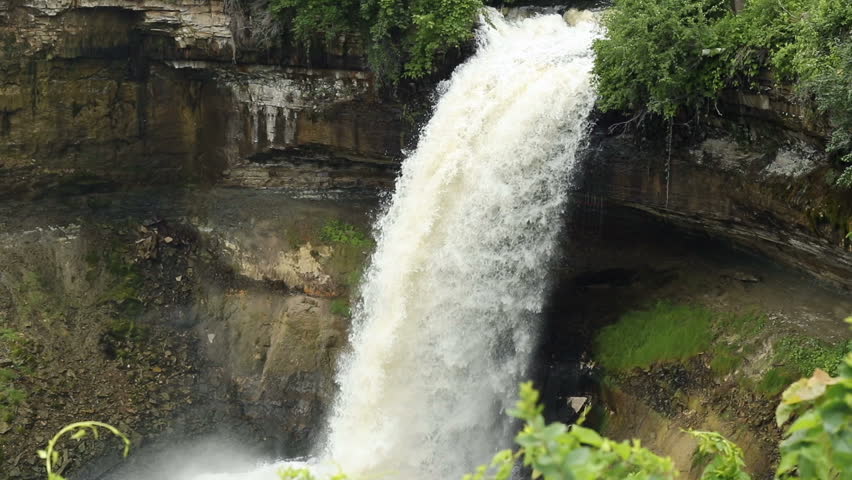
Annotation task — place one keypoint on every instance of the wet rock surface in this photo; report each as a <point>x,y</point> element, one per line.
<point>101,94</point>
<point>132,309</point>
<point>757,181</point>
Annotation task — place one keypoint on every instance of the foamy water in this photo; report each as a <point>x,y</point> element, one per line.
<point>450,305</point>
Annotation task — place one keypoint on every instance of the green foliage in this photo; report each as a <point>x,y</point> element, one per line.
<point>665,332</point>
<point>38,303</point>
<point>796,356</point>
<point>124,329</point>
<point>818,444</point>
<point>13,349</point>
<point>126,280</point>
<point>820,59</point>
<point>741,326</point>
<point>292,473</point>
<point>555,451</point>
<point>51,454</point>
<point>724,459</point>
<point>403,37</point>
<point>803,355</point>
<point>775,380</point>
<point>340,306</point>
<point>10,396</point>
<point>329,17</point>
<point>653,59</point>
<point>336,231</point>
<point>667,56</point>
<point>500,467</point>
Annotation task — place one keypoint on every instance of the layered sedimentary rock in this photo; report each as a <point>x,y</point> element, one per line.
<point>755,173</point>
<point>99,93</point>
<point>157,309</point>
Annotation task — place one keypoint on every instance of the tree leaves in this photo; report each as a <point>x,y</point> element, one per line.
<point>404,37</point>
<point>818,444</point>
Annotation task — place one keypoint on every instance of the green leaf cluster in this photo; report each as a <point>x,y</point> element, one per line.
<point>403,37</point>
<point>337,231</point>
<point>671,56</point>
<point>724,459</point>
<point>555,451</point>
<point>805,355</point>
<point>51,455</point>
<point>818,444</point>
<point>654,57</point>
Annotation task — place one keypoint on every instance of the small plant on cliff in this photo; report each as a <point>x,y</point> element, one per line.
<point>340,306</point>
<point>52,456</point>
<point>336,231</point>
<point>15,354</point>
<point>723,458</point>
<point>805,355</point>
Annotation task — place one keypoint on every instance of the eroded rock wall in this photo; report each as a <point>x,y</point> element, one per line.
<point>756,176</point>
<point>171,314</point>
<point>98,94</point>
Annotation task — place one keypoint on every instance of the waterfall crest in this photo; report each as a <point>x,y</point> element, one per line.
<point>448,314</point>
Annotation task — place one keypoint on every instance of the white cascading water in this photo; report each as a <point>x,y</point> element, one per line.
<point>448,317</point>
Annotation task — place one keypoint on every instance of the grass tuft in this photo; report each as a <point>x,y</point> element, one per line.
<point>775,380</point>
<point>663,333</point>
<point>340,307</point>
<point>725,361</point>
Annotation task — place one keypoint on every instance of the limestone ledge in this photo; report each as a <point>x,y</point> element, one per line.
<point>770,195</point>
<point>188,21</point>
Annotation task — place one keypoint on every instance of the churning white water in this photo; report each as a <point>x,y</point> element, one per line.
<point>448,316</point>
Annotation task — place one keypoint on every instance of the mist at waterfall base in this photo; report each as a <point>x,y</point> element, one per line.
<point>448,315</point>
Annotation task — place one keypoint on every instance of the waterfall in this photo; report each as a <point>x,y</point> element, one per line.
<point>449,307</point>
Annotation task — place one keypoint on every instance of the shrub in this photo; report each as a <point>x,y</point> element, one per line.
<point>816,444</point>
<point>653,59</point>
<point>336,231</point>
<point>672,56</point>
<point>403,37</point>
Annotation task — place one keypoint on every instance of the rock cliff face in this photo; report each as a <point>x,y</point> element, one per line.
<point>755,175</point>
<point>99,93</point>
<point>139,92</point>
<point>159,312</point>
